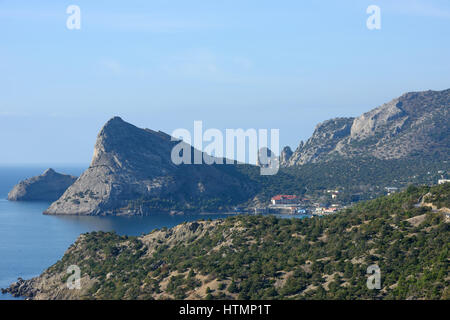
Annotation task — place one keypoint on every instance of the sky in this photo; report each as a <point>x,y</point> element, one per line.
<point>284,65</point>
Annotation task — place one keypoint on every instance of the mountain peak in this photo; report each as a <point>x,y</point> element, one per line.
<point>49,171</point>
<point>115,119</point>
<point>114,123</point>
<point>132,169</point>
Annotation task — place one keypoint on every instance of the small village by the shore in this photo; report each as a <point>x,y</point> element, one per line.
<point>306,206</point>
<point>297,205</point>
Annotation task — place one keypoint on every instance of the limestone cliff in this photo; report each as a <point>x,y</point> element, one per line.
<point>415,124</point>
<point>132,169</point>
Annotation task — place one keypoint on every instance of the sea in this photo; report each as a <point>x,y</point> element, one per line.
<point>30,242</point>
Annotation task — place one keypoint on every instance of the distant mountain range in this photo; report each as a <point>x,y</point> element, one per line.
<point>414,124</point>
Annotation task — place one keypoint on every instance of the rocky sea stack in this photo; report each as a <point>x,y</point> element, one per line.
<point>47,187</point>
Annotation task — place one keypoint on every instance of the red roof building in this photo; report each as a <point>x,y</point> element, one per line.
<point>284,199</point>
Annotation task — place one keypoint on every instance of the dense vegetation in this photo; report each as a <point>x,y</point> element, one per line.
<point>264,257</point>
<point>356,179</point>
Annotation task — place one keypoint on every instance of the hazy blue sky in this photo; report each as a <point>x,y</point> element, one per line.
<point>246,63</point>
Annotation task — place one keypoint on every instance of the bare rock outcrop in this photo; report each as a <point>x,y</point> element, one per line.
<point>47,187</point>
<point>415,124</point>
<point>285,156</point>
<point>132,169</point>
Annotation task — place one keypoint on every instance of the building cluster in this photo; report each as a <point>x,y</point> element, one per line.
<point>284,199</point>
<point>334,194</point>
<point>293,204</point>
<point>391,190</point>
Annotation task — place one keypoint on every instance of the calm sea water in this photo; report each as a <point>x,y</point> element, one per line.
<point>30,242</point>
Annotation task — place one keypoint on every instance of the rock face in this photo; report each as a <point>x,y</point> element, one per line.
<point>285,156</point>
<point>133,166</point>
<point>47,187</point>
<point>417,123</point>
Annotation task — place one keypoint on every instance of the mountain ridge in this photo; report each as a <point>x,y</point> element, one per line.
<point>132,173</point>
<point>411,124</point>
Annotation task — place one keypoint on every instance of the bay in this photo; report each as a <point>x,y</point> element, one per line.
<point>30,242</point>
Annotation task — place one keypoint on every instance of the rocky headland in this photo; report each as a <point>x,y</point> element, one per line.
<point>48,186</point>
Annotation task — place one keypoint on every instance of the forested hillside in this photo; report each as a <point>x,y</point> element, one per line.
<point>264,257</point>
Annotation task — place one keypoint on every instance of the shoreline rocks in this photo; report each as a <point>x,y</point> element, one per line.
<point>20,288</point>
